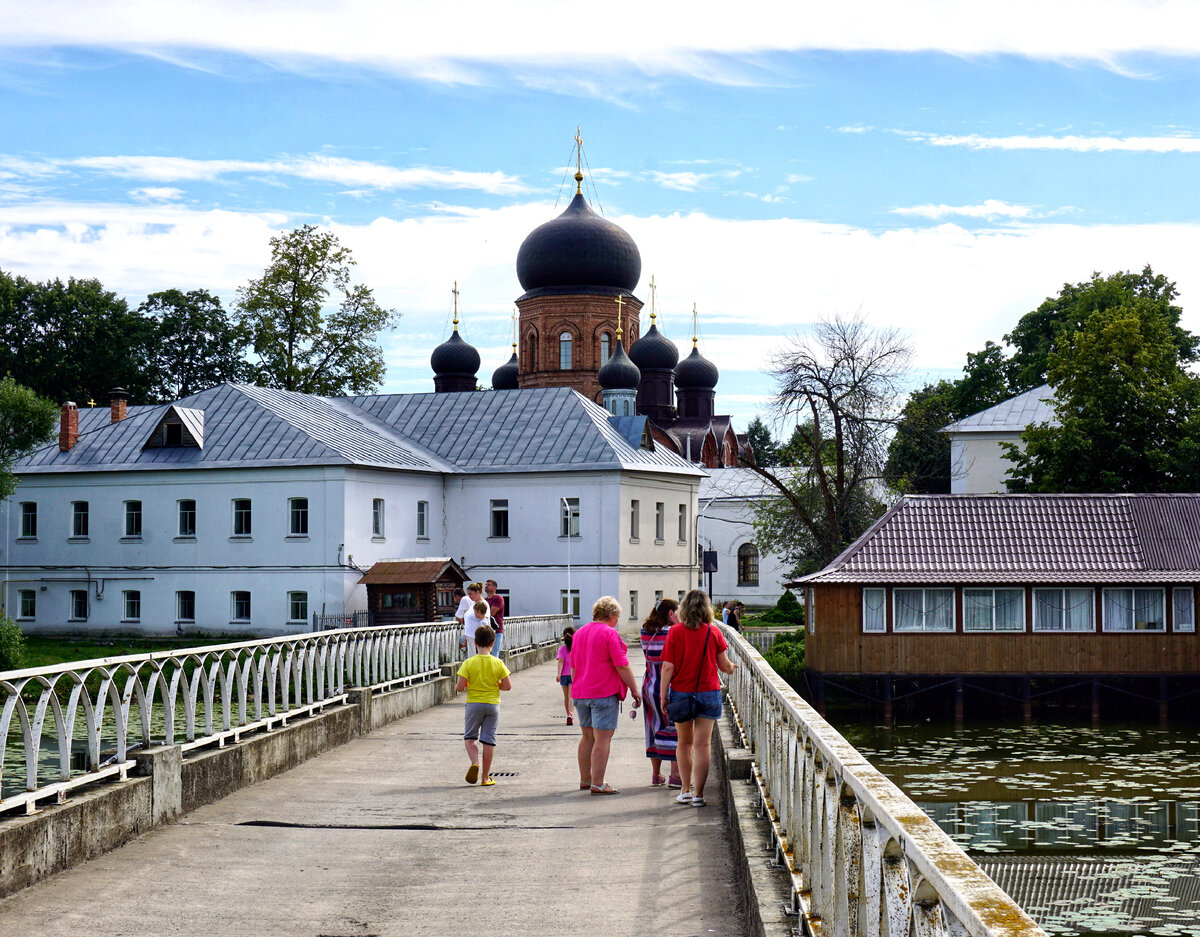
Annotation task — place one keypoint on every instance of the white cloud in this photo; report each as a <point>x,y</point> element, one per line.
<point>160,193</point>
<point>457,44</point>
<point>856,128</point>
<point>796,177</point>
<point>990,209</point>
<point>685,181</point>
<point>1071,142</point>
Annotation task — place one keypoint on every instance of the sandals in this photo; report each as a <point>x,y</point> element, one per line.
<point>490,781</point>
<point>584,787</point>
<point>473,774</point>
<point>685,797</point>
<point>674,783</point>
<point>605,788</point>
<point>657,780</point>
<point>697,801</point>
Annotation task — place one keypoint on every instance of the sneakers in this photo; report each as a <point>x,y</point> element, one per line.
<point>473,774</point>
<point>697,801</point>
<point>685,797</point>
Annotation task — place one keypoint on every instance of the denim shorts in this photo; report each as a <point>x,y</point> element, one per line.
<point>565,679</point>
<point>480,722</point>
<point>598,713</point>
<point>708,702</point>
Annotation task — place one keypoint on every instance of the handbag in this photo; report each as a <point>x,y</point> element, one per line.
<point>683,708</point>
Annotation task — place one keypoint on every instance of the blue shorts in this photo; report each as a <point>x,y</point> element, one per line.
<point>565,679</point>
<point>598,713</point>
<point>708,702</point>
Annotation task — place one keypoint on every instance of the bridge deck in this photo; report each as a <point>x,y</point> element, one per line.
<point>383,837</point>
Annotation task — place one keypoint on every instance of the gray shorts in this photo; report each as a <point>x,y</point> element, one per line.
<point>480,722</point>
<point>598,713</point>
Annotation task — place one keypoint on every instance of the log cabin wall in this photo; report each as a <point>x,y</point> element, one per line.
<point>838,645</point>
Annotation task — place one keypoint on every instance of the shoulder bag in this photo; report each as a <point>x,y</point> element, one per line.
<point>683,708</point>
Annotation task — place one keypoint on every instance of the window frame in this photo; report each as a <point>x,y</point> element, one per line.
<point>80,597</point>
<point>746,564</point>
<point>1020,590</point>
<point>660,521</point>
<point>1132,590</point>
<point>298,516</point>
<point>181,512</point>
<point>574,597</point>
<point>80,520</point>
<point>635,519</point>
<point>633,603</point>
<point>179,601</point>
<point>566,350</point>
<point>297,599</point>
<point>422,520</point>
<point>606,346</point>
<point>236,600</point>
<point>243,517</point>
<point>925,611</point>
<point>1037,627</point>
<point>29,520</point>
<point>378,517</point>
<point>1190,626</point>
<point>882,629</point>
<point>131,605</point>
<point>683,524</point>
<point>498,519</point>
<point>569,527</point>
<point>24,612</point>
<point>133,520</point>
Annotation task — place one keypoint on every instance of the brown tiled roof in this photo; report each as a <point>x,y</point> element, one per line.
<point>427,569</point>
<point>1027,538</point>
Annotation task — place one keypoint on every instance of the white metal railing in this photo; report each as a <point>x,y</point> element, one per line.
<point>763,639</point>
<point>522,632</point>
<point>864,860</point>
<point>219,692</point>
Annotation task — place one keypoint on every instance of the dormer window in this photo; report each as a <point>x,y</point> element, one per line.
<point>179,427</point>
<point>172,434</point>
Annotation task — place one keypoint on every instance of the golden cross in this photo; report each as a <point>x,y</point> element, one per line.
<point>455,292</point>
<point>578,160</point>
<point>694,329</point>
<point>653,297</point>
<point>620,303</point>
<point>91,402</point>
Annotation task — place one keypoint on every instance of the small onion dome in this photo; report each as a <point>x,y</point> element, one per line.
<point>695,372</point>
<point>454,356</point>
<point>505,376</point>
<point>618,372</point>
<point>577,249</point>
<point>654,351</point>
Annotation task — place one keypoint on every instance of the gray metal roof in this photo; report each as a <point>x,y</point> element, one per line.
<point>1027,538</point>
<point>1010,416</point>
<point>478,431</point>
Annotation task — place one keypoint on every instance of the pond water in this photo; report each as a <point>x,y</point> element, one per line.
<point>1093,831</point>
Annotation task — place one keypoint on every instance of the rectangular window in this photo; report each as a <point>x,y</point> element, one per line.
<point>241,605</point>
<point>993,609</point>
<point>185,606</point>
<point>297,606</point>
<point>810,610</point>
<point>377,517</point>
<point>1064,610</point>
<point>633,609</point>
<point>27,603</point>
<point>241,517</point>
<point>1134,610</point>
<point>79,605</point>
<point>635,510</point>
<point>923,609</point>
<point>187,517</point>
<point>28,518</point>
<point>570,603</point>
<point>1183,607</point>
<point>658,597</point>
<point>499,517</point>
<point>79,518</point>
<point>683,531</point>
<point>133,605</point>
<point>679,597</point>
<point>297,517</point>
<point>569,517</point>
<point>422,520</point>
<point>133,518</point>
<point>874,611</point>
<point>659,521</point>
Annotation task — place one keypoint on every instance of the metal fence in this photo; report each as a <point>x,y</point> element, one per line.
<point>764,639</point>
<point>359,619</point>
<point>79,721</point>
<point>524,632</point>
<point>863,858</point>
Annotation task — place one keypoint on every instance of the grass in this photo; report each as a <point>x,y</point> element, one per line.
<point>42,651</point>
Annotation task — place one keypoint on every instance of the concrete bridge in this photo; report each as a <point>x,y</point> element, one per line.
<point>377,833</point>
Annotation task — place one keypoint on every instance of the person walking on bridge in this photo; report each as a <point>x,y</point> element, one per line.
<point>601,675</point>
<point>660,731</point>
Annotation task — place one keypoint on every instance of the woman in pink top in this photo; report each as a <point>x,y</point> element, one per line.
<point>600,676</point>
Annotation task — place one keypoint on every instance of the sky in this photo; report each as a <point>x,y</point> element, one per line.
<point>936,167</point>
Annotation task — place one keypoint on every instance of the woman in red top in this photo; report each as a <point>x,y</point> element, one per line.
<point>694,652</point>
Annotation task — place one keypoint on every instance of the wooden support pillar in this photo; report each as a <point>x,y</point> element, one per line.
<point>1162,702</point>
<point>888,710</point>
<point>958,702</point>
<point>1095,703</point>
<point>1026,701</point>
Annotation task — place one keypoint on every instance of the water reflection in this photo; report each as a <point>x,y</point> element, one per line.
<point>1092,831</point>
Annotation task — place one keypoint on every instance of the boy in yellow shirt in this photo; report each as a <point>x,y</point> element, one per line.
<point>483,677</point>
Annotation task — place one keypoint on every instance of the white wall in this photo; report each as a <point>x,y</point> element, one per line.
<point>977,463</point>
<point>726,524</point>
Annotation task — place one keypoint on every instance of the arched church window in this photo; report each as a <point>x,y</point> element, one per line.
<point>605,347</point>
<point>564,351</point>
<point>747,565</point>
<point>531,354</point>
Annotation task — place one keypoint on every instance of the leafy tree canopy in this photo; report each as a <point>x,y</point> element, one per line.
<point>197,345</point>
<point>27,421</point>
<point>758,435</point>
<point>301,341</point>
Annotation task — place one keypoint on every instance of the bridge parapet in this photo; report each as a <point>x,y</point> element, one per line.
<point>97,714</point>
<point>865,861</point>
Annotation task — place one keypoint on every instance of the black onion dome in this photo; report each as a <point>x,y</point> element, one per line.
<point>618,372</point>
<point>505,376</point>
<point>454,356</point>
<point>579,248</point>
<point>654,351</point>
<point>695,372</point>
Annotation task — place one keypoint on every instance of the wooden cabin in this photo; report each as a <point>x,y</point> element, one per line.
<point>1013,585</point>
<point>407,591</point>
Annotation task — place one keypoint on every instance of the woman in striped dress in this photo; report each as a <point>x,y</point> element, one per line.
<point>660,732</point>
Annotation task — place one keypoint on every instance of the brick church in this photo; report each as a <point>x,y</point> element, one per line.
<point>575,317</point>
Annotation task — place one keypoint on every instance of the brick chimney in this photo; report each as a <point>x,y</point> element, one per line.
<point>118,399</point>
<point>68,426</point>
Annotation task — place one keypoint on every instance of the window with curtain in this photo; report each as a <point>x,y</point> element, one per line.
<point>1183,607</point>
<point>1134,610</point>
<point>993,610</point>
<point>923,610</point>
<point>1063,610</point>
<point>874,611</point>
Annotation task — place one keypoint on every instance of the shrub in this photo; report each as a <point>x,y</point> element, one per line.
<point>787,611</point>
<point>12,644</point>
<point>786,657</point>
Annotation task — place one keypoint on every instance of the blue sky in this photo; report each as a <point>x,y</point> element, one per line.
<point>938,167</point>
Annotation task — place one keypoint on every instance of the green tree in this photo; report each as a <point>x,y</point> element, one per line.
<point>1128,413</point>
<point>73,340</point>
<point>196,345</point>
<point>27,421</point>
<point>758,436</point>
<point>302,342</point>
<point>840,387</point>
<point>12,644</point>
<point>918,459</point>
